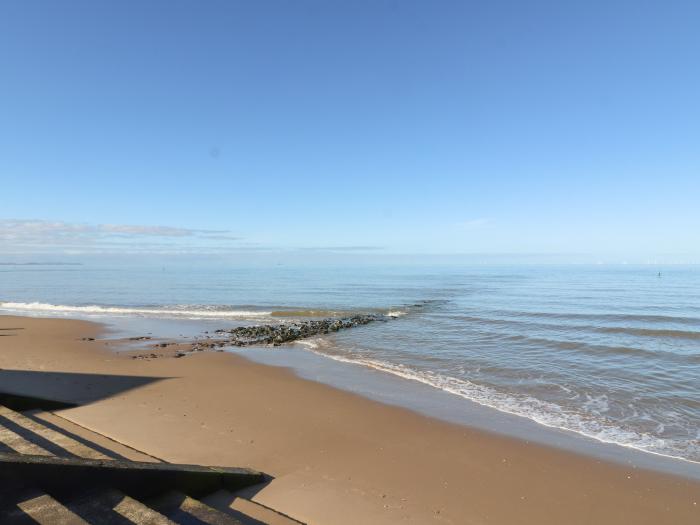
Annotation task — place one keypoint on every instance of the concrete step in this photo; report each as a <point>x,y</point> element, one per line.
<point>105,445</point>
<point>13,441</point>
<point>112,507</point>
<point>64,443</point>
<point>45,510</point>
<point>185,510</point>
<point>247,511</point>
<point>72,475</point>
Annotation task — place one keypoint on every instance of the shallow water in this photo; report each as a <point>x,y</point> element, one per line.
<point>610,352</point>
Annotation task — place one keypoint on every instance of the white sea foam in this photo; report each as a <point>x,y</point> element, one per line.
<point>179,311</point>
<point>543,412</point>
<point>188,311</point>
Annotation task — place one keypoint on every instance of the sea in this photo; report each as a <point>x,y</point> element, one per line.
<point>608,353</point>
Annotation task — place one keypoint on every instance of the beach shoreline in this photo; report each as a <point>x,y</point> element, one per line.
<point>335,457</point>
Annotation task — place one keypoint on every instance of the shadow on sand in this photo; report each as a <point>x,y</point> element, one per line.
<point>69,387</point>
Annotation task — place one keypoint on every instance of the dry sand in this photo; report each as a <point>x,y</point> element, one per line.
<point>335,457</point>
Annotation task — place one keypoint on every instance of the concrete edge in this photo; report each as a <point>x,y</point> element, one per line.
<point>66,475</point>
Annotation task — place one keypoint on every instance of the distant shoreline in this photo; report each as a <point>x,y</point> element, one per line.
<point>41,264</point>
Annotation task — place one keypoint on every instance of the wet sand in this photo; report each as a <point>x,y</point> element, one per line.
<point>335,457</point>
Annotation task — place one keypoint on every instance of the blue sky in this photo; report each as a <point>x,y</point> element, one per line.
<point>394,127</point>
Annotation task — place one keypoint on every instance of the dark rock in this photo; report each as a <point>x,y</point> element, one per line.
<point>284,333</point>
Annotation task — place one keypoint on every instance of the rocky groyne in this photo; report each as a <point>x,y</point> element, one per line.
<point>277,334</point>
<point>267,334</point>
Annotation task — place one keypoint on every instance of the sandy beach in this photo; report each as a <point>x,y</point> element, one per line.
<point>334,457</point>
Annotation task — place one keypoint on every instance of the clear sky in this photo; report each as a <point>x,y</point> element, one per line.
<point>432,127</point>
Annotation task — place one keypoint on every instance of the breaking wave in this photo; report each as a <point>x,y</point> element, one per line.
<point>188,311</point>
<point>591,422</point>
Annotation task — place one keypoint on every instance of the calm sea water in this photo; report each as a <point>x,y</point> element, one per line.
<point>610,352</point>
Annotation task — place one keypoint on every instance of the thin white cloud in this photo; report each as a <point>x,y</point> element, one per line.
<point>39,236</point>
<point>341,248</point>
<point>158,231</point>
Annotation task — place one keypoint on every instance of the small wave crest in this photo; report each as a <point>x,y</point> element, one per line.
<point>646,319</point>
<point>600,328</point>
<point>309,313</point>
<point>189,311</point>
